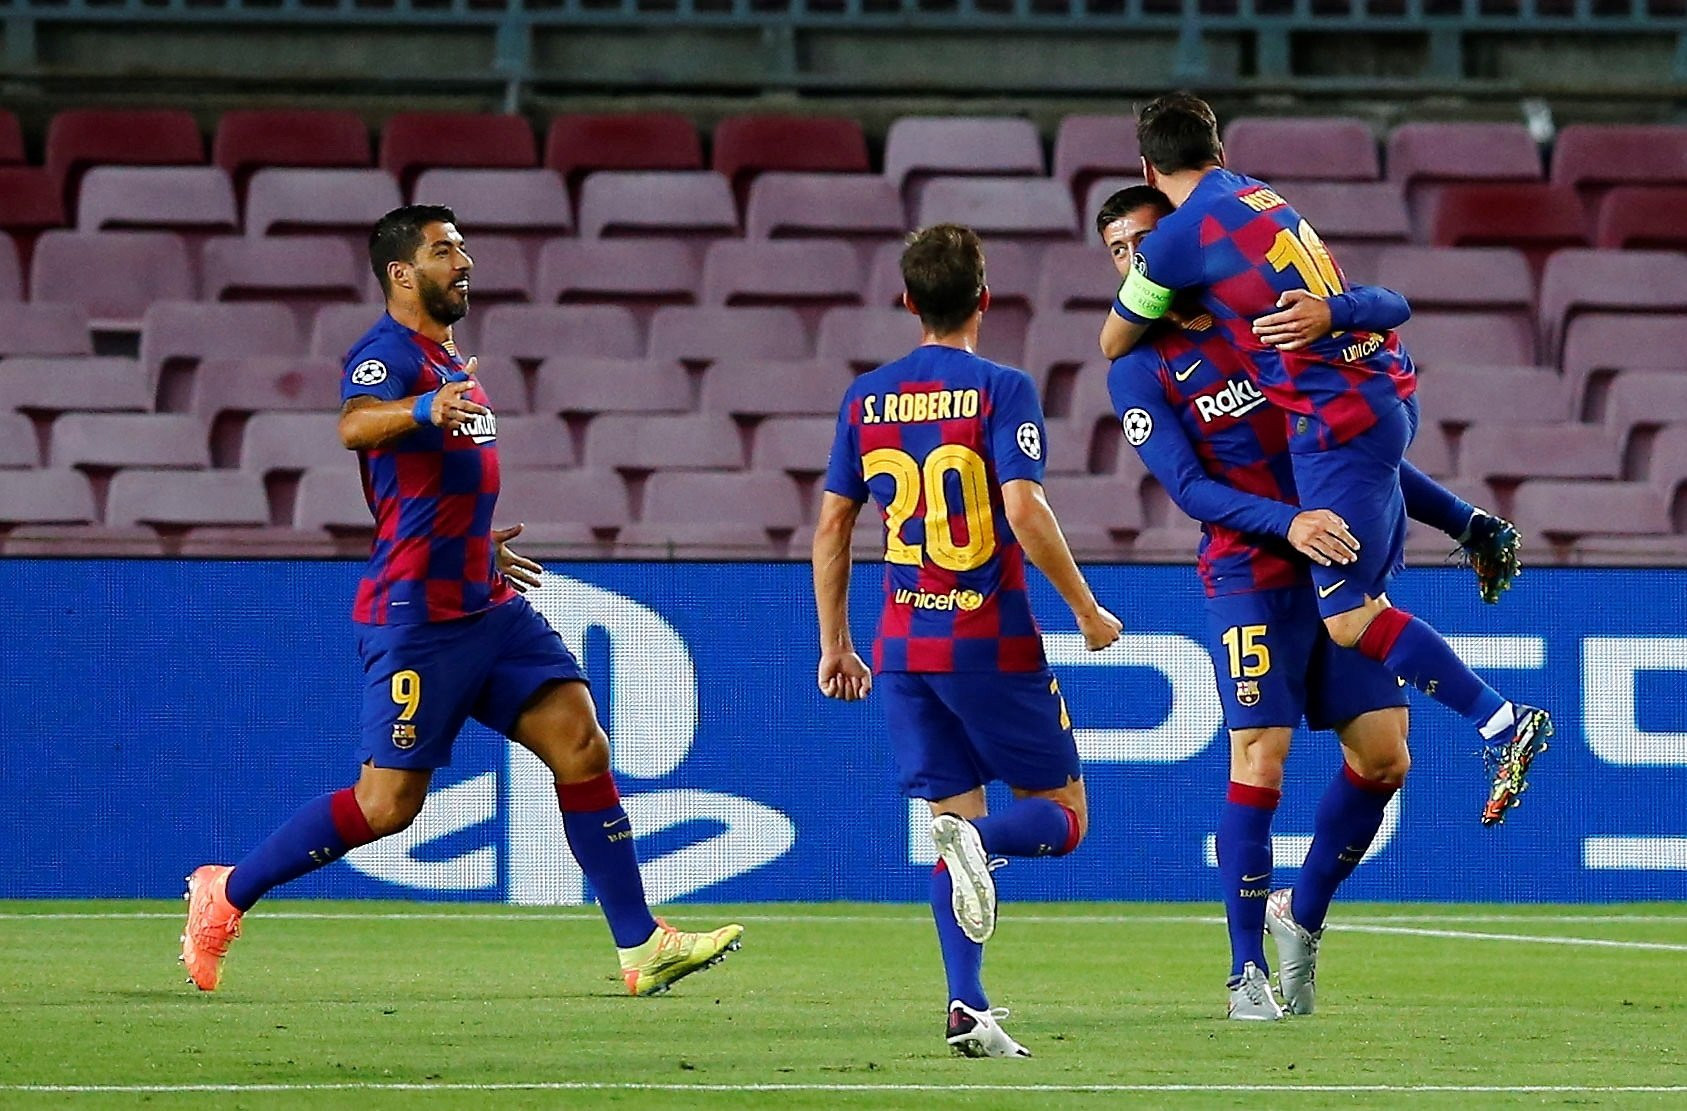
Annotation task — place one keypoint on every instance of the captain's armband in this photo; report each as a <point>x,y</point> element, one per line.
<point>1141,298</point>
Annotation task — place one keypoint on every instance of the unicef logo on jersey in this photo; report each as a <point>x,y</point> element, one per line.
<point>651,713</point>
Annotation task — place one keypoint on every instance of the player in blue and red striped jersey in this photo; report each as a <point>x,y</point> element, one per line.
<point>951,447</point>
<point>1349,399</point>
<point>1220,450</point>
<point>443,629</point>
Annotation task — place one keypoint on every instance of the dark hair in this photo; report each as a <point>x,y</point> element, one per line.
<point>1127,201</point>
<point>397,236</point>
<point>1178,131</point>
<point>943,271</point>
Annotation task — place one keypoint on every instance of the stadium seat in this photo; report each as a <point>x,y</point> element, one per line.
<point>918,148</point>
<point>1095,196</point>
<point>30,203</point>
<point>1011,271</point>
<point>1635,399</point>
<point>414,141</point>
<point>861,207</point>
<point>1610,282</point>
<point>11,139</point>
<point>503,273</point>
<point>105,440</point>
<point>540,440</point>
<point>532,333</point>
<point>650,443</point>
<point>1077,277</point>
<point>867,337</point>
<point>319,202</point>
<point>1100,511</point>
<point>1601,344</point>
<point>1275,149</point>
<point>1438,339</point>
<point>1353,218</point>
<point>714,508</point>
<point>802,275</point>
<point>1454,394</point>
<point>1424,157</point>
<point>156,198</point>
<point>1562,510</point>
<point>18,447</point>
<point>177,334</point>
<point>631,272</point>
<point>1557,450</point>
<point>595,499</point>
<point>306,271</point>
<point>11,275</point>
<point>705,335</point>
<point>250,139</point>
<point>583,385</point>
<point>174,500</point>
<point>745,146</point>
<point>1431,451</point>
<point>274,442</point>
<point>576,145</point>
<point>1591,158</point>
<point>765,388</point>
<point>1000,209</point>
<point>1084,437</point>
<point>531,205</point>
<point>38,328</point>
<point>1493,281</point>
<point>1636,216</point>
<point>82,137</point>
<point>87,383</point>
<point>672,205</point>
<point>114,275</point>
<point>795,445</point>
<point>46,497</point>
<point>264,384</point>
<point>1060,342</point>
<point>1089,148</point>
<point>1536,219</point>
<point>336,327</point>
<point>331,498</point>
<point>501,377</point>
<point>1666,468</point>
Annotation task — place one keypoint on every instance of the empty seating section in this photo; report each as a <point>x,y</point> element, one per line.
<point>665,317</point>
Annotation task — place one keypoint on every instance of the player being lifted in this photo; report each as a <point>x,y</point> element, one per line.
<point>1220,450</point>
<point>951,447</point>
<point>443,630</point>
<point>1348,396</point>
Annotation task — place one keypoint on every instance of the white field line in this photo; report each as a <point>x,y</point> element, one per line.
<point>633,1086</point>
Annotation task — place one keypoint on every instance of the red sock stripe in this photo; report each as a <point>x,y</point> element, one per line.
<point>1073,834</point>
<point>597,793</point>
<point>349,821</point>
<point>1264,798</point>
<point>1374,786</point>
<point>1377,641</point>
<point>941,866</point>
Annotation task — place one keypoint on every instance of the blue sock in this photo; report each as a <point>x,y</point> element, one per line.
<point>1029,827</point>
<point>1348,817</point>
<point>1416,653</point>
<point>963,958</point>
<point>1433,504</point>
<point>321,832</point>
<point>1244,865</point>
<point>601,839</point>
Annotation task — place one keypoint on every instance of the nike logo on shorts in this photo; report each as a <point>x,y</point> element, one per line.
<point>1255,879</point>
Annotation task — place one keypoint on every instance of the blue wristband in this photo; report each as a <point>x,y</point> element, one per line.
<point>422,410</point>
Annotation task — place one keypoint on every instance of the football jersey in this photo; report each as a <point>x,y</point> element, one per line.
<point>432,493</point>
<point>1241,246</point>
<point>931,438</point>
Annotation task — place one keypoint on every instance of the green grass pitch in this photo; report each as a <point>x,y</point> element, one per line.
<point>355,1004</point>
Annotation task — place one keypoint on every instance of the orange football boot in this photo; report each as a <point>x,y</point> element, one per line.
<point>212,923</point>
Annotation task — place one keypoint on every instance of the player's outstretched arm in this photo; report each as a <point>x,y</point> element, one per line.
<point>1304,317</point>
<point>843,674</point>
<point>367,422</point>
<point>1039,534</point>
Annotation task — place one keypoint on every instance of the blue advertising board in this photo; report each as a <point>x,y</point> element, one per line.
<point>160,714</point>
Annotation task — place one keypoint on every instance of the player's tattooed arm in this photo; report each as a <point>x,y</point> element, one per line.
<point>367,422</point>
<point>843,674</point>
<point>1039,534</point>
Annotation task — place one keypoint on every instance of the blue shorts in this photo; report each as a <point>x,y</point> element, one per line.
<point>423,682</point>
<point>953,731</point>
<point>1360,482</point>
<point>1275,664</point>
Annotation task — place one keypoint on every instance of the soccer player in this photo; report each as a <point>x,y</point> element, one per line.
<point>951,447</point>
<point>443,629</point>
<point>1349,400</point>
<point>1220,450</point>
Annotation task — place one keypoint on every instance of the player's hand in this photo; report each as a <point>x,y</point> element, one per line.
<point>1100,628</point>
<point>844,676</point>
<point>1322,537</point>
<point>1304,317</point>
<point>451,409</point>
<point>521,571</point>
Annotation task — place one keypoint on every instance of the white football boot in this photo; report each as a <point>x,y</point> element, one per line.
<point>1297,953</point>
<point>1250,997</point>
<point>974,898</point>
<point>973,1033</point>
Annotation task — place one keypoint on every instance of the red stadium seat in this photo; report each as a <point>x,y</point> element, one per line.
<point>769,388</point>
<point>279,441</point>
<point>1090,148</point>
<point>577,145</point>
<point>1494,281</point>
<point>173,500</point>
<point>44,329</point>
<point>1424,157</point>
<point>867,337</point>
<point>918,148</point>
<point>532,333</point>
<point>319,202</point>
<point>540,440</point>
<point>644,272</point>
<point>11,275</point>
<point>861,207</point>
<point>105,440</point>
<point>82,137</point>
<point>1335,148</point>
<point>671,205</point>
<point>11,139</point>
<point>649,443</point>
<point>528,204</point>
<point>1590,158</point>
<point>114,275</point>
<point>264,384</point>
<point>745,146</point>
<point>1611,282</point>
<point>248,140</point>
<point>706,335</point>
<point>18,446</point>
<point>415,141</point>
<point>804,275</point>
<point>46,497</point>
<point>86,383</point>
<point>580,385</point>
<point>30,203</point>
<point>1000,209</point>
<point>1536,219</point>
<point>1642,217</point>
<point>156,198</point>
<point>1357,220</point>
